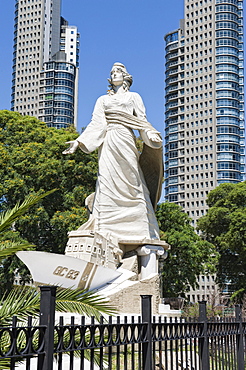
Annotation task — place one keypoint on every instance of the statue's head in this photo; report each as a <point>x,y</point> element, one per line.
<point>127,78</point>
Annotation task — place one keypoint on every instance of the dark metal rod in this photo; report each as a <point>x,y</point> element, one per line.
<point>132,345</point>
<point>146,318</point>
<point>240,349</point>
<point>14,342</point>
<point>203,343</point>
<point>47,318</point>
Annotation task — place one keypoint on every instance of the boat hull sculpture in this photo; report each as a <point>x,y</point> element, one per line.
<point>67,272</point>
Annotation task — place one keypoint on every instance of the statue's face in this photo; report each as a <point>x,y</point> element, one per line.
<point>117,76</point>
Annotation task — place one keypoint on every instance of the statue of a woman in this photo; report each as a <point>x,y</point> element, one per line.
<point>128,184</point>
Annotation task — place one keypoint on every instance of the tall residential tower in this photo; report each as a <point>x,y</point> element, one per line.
<point>45,63</point>
<point>205,137</point>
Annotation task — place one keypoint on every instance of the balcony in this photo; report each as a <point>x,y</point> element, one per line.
<point>172,64</point>
<point>172,80</point>
<point>172,55</point>
<point>173,96</point>
<point>173,113</point>
<point>173,71</point>
<point>172,88</point>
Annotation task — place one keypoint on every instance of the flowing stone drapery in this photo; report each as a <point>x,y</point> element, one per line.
<point>122,204</point>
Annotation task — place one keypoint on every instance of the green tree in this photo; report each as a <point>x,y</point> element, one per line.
<point>31,160</point>
<point>189,255</point>
<point>225,226</point>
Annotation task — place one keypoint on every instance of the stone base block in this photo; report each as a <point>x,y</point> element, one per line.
<point>128,299</point>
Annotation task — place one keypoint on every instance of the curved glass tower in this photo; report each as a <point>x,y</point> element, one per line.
<point>205,132</point>
<point>57,94</point>
<point>45,61</point>
<point>229,90</point>
<point>175,92</point>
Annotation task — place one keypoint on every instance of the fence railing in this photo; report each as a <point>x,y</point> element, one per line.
<point>144,342</point>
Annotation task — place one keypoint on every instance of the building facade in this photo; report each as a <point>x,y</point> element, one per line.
<point>204,123</point>
<point>207,290</point>
<point>45,63</point>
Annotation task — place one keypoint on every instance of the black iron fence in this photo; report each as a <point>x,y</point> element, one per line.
<point>144,342</point>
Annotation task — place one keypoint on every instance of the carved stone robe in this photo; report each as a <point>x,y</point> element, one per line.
<point>122,204</point>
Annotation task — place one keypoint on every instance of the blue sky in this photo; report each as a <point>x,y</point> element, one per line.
<point>129,31</point>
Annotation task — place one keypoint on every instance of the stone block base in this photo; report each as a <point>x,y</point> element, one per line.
<point>128,299</point>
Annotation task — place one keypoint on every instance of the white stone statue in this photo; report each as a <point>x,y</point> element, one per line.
<point>128,184</point>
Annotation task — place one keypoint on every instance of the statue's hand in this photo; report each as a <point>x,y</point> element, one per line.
<point>153,136</point>
<point>72,148</point>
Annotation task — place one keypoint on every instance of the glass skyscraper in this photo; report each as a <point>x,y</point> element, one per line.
<point>204,115</point>
<point>45,63</point>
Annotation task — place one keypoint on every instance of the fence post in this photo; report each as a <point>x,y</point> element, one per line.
<point>203,341</point>
<point>146,318</point>
<point>240,349</point>
<point>47,318</point>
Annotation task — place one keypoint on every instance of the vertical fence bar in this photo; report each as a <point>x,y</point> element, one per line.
<point>132,367</point>
<point>82,351</point>
<point>72,343</point>
<point>125,357</point>
<point>140,348</point>
<point>240,351</point>
<point>47,318</point>
<point>146,318</point>
<point>154,346</point>
<point>14,343</point>
<point>203,342</point>
<point>159,333</point>
<point>29,345</point>
<point>60,342</point>
<point>101,331</point>
<point>118,347</point>
<point>171,342</point>
<point>110,340</point>
<point>92,340</point>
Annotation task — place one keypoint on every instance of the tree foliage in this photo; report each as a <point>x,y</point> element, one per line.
<point>10,241</point>
<point>189,255</point>
<point>225,226</point>
<point>31,161</point>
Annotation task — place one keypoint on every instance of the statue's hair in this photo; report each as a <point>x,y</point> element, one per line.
<point>127,80</point>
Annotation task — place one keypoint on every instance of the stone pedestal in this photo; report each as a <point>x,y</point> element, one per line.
<point>127,300</point>
<point>138,261</point>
